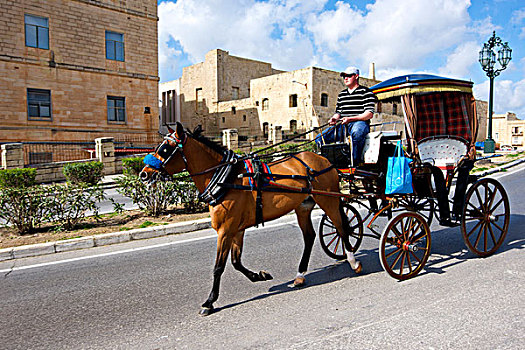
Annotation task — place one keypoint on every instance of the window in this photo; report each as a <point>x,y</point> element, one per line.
<point>198,98</point>
<point>293,100</point>
<point>265,129</point>
<point>235,93</point>
<point>223,120</point>
<point>378,107</point>
<point>39,104</point>
<point>114,46</point>
<point>324,100</point>
<point>116,109</point>
<point>394,108</point>
<point>265,104</point>
<point>234,110</point>
<point>37,32</point>
<point>244,117</point>
<point>293,125</point>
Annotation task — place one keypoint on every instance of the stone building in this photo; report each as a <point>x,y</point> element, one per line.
<point>76,70</point>
<point>507,129</point>
<point>227,92</point>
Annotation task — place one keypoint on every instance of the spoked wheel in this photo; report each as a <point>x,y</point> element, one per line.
<point>424,206</point>
<point>331,243</point>
<point>404,247</point>
<point>486,216</point>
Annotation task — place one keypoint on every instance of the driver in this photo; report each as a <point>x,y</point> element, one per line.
<point>355,107</point>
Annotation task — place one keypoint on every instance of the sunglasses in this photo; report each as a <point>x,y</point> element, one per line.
<point>347,75</point>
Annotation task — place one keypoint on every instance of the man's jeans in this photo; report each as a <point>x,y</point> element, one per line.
<point>358,130</point>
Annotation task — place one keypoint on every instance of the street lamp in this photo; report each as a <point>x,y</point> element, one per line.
<point>487,59</point>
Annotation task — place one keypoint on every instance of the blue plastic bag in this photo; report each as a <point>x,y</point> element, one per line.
<point>398,175</point>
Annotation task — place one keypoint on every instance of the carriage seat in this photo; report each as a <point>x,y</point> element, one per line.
<point>443,152</point>
<point>373,142</point>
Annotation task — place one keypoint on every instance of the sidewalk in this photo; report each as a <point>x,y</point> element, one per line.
<point>143,233</point>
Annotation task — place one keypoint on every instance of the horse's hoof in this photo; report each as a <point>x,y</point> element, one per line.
<point>359,268</point>
<point>206,311</point>
<point>265,276</point>
<point>299,281</point>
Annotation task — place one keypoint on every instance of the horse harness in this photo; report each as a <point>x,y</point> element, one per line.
<point>260,176</point>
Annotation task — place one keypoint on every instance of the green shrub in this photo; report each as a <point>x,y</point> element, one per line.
<point>132,166</point>
<point>71,202</point>
<point>90,172</point>
<point>17,178</point>
<point>25,207</point>
<point>155,199</point>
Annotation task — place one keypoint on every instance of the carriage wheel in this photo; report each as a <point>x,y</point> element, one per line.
<point>486,217</point>
<point>331,243</point>
<point>424,206</point>
<point>404,246</point>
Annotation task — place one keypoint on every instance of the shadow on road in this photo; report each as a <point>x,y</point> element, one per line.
<point>447,246</point>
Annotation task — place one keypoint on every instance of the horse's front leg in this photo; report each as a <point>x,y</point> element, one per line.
<point>237,245</point>
<point>224,242</point>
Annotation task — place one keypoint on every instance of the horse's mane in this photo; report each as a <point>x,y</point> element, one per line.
<point>198,135</point>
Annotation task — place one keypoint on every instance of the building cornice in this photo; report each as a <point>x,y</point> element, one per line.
<point>122,9</point>
<point>76,67</point>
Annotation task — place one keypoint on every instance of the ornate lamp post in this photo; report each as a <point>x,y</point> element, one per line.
<point>487,59</point>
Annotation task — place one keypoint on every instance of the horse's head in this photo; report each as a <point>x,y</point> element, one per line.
<point>168,158</point>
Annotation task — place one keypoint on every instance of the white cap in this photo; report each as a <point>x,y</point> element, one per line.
<point>350,70</point>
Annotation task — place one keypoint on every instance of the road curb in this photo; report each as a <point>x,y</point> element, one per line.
<point>32,250</point>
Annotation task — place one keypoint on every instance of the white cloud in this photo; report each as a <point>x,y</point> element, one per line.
<point>270,31</point>
<point>518,16</point>
<point>461,60</point>
<point>509,96</point>
<point>392,33</point>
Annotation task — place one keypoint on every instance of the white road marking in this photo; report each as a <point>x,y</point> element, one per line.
<point>155,246</point>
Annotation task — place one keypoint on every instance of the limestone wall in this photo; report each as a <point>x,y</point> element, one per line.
<point>75,69</point>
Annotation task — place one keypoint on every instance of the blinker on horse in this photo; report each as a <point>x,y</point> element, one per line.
<point>234,207</point>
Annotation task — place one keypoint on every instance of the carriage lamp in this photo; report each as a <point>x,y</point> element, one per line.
<point>487,59</point>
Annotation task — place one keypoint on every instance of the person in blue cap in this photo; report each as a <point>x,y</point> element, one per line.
<point>354,109</point>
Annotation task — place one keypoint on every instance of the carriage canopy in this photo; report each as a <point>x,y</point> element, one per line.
<point>433,106</point>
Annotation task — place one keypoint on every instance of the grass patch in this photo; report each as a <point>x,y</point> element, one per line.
<point>147,224</point>
<point>66,238</point>
<point>124,228</point>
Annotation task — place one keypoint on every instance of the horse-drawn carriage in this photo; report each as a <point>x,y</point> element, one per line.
<point>441,128</point>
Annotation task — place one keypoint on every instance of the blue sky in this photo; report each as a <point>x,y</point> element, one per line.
<point>400,36</point>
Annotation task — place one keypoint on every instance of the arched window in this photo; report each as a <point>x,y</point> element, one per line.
<point>265,104</point>
<point>293,125</point>
<point>324,100</point>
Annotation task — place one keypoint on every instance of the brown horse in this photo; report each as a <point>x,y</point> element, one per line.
<point>237,210</point>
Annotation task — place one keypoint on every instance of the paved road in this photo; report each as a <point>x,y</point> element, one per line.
<point>146,295</point>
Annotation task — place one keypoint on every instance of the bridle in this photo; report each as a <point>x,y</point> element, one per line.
<point>166,151</point>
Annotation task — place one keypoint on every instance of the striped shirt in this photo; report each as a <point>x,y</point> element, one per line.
<point>351,104</point>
